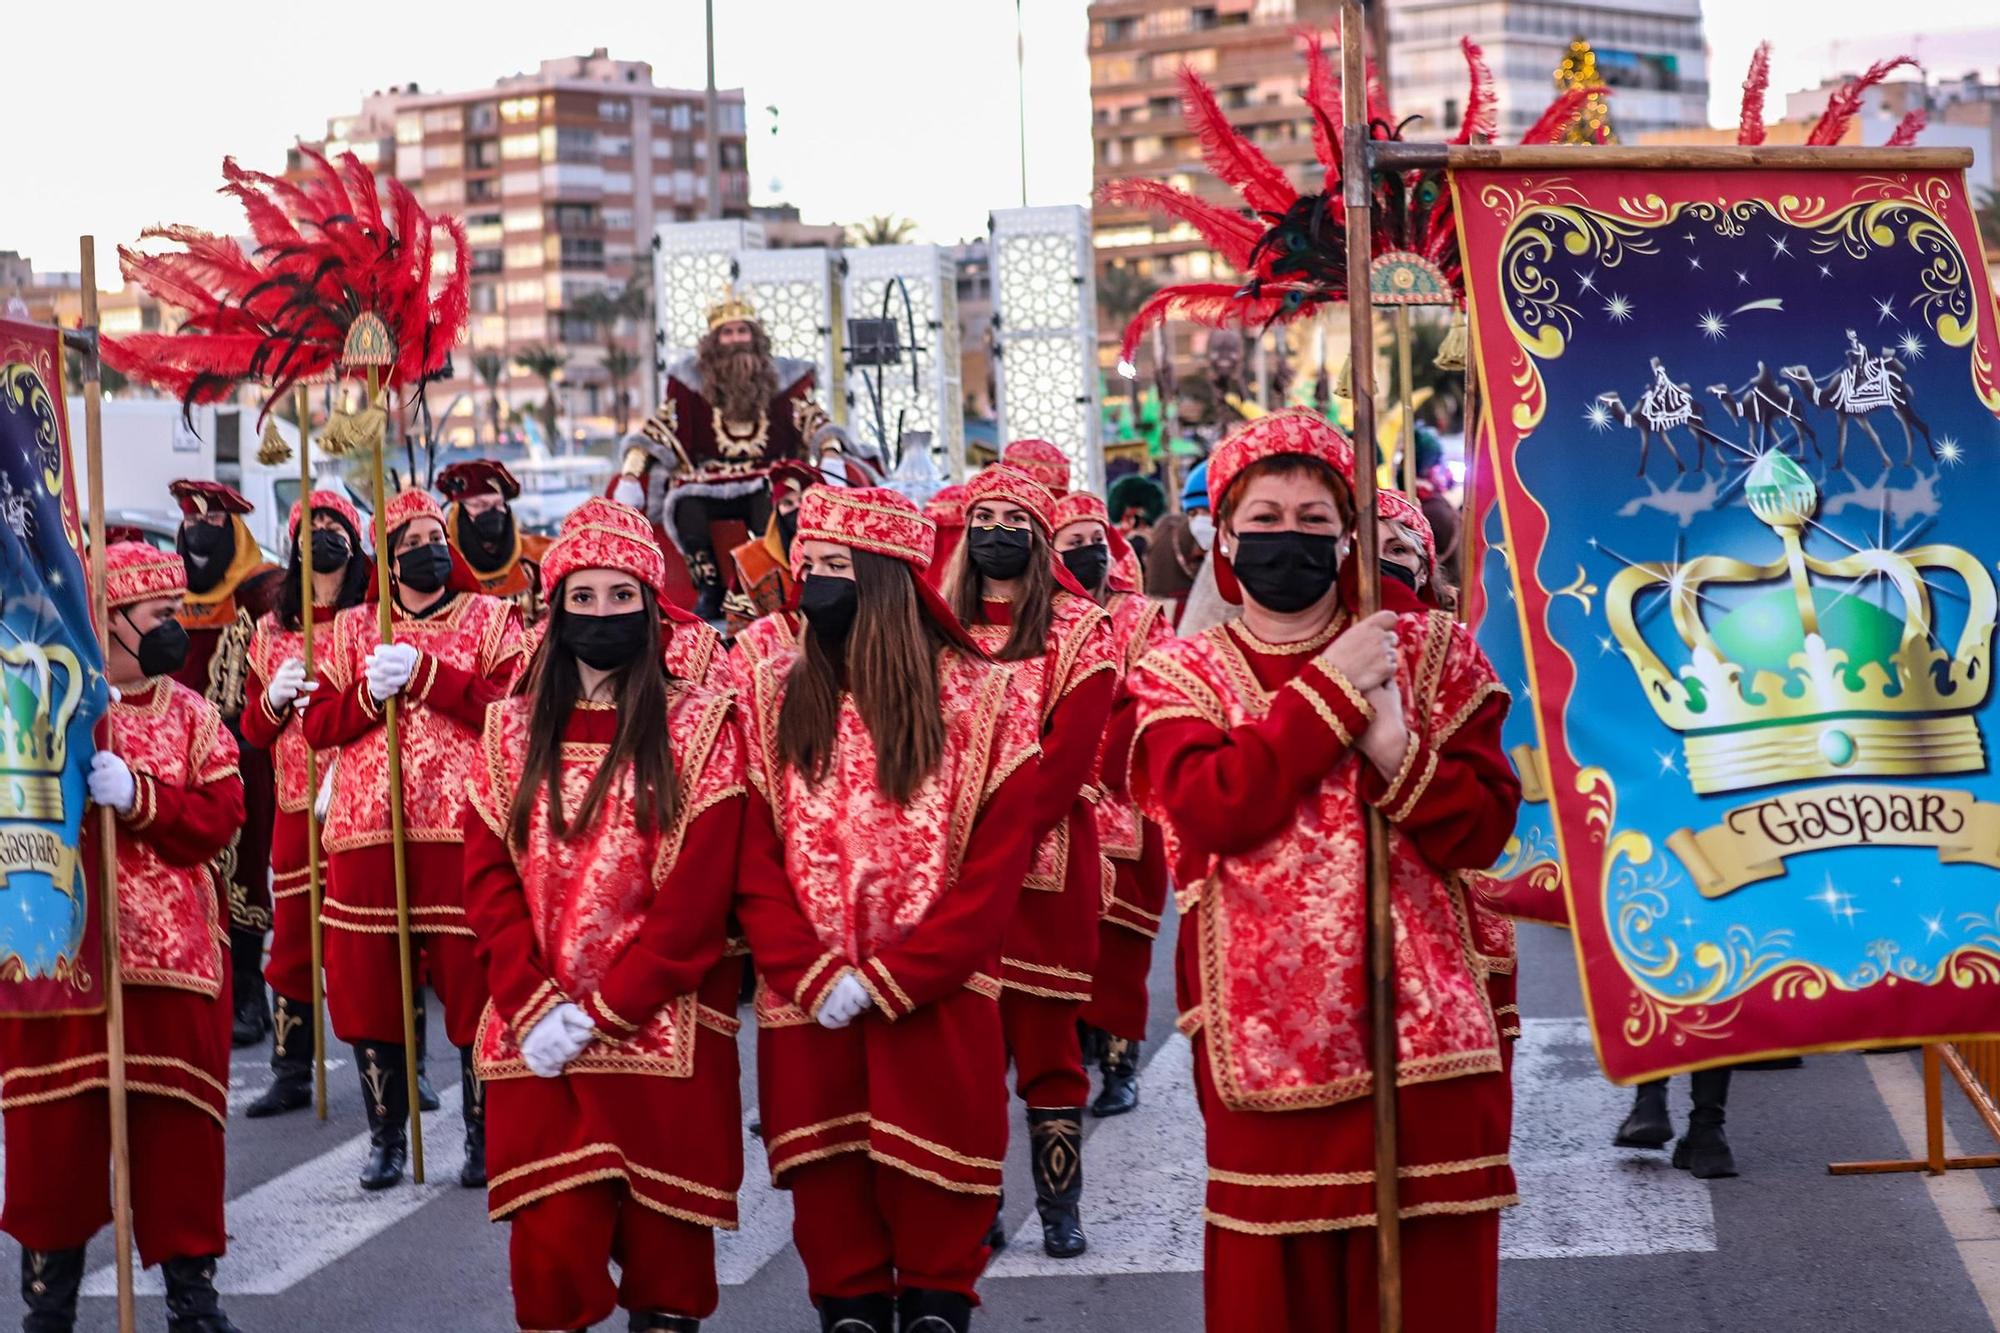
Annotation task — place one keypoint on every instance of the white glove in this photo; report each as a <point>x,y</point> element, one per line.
<point>324,800</point>
<point>111,782</point>
<point>844,1002</point>
<point>558,1038</point>
<point>630,491</point>
<point>389,669</point>
<point>287,683</point>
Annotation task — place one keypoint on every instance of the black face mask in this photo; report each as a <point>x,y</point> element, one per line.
<point>330,551</point>
<point>205,549</point>
<point>1406,577</point>
<point>1285,571</point>
<point>1088,563</point>
<point>997,552</point>
<point>424,568</point>
<point>788,528</point>
<point>491,537</point>
<point>162,649</point>
<point>605,642</point>
<point>829,606</point>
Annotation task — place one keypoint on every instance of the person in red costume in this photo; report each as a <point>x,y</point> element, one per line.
<point>602,814</point>
<point>170,775</point>
<point>1021,604</point>
<point>1049,465</point>
<point>480,524</point>
<point>946,511</point>
<point>1136,897</point>
<point>278,694</point>
<point>884,847</point>
<point>455,652</point>
<point>1259,742</point>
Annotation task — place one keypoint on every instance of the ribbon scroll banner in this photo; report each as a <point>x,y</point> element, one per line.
<point>1743,427</point>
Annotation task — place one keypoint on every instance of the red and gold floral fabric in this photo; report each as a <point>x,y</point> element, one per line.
<point>271,730</point>
<point>1137,628</point>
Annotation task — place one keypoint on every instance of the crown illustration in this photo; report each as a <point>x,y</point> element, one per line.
<point>1791,673</point>
<point>34,727</point>
<point>731,307</point>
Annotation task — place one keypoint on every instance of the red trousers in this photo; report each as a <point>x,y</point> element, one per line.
<point>289,969</point>
<point>364,987</point>
<point>1047,1053</point>
<point>59,1175</point>
<point>863,1228</point>
<point>1324,1281</point>
<point>562,1247</point>
<point>1118,985</point>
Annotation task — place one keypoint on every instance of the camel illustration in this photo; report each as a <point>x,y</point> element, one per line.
<point>1685,506</point>
<point>1862,386</point>
<point>1763,402</point>
<point>1903,504</point>
<point>1665,407</point>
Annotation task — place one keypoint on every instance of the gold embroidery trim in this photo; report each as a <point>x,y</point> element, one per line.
<point>1325,710</point>
<point>935,1149</point>
<point>808,1131</point>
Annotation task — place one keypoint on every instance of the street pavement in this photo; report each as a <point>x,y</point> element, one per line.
<point>1605,1240</point>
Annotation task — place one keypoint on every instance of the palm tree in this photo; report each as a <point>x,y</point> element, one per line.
<point>1121,290</point>
<point>490,366</point>
<point>609,311</point>
<point>619,365</point>
<point>544,363</point>
<point>882,229</point>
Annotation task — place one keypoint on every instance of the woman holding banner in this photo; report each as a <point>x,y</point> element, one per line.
<point>1259,741</point>
<point>171,777</point>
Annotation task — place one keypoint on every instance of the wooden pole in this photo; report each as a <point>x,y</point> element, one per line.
<point>386,624</point>
<point>1405,396</point>
<point>302,544</point>
<point>107,821</point>
<point>1475,457</point>
<point>1381,925</point>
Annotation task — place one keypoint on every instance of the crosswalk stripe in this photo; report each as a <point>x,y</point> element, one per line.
<point>763,1217</point>
<point>247,1080</point>
<point>295,1224</point>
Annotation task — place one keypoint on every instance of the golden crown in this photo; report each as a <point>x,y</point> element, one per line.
<point>1791,676</point>
<point>731,307</point>
<point>34,727</point>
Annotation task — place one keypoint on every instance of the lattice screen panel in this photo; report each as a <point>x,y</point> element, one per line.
<point>934,402</point>
<point>1045,334</point>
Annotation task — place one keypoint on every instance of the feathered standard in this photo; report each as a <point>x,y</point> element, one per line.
<point>329,249</point>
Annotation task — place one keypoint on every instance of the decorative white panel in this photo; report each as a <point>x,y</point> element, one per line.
<point>794,295</point>
<point>1045,334</point>
<point>931,400</point>
<point>692,267</point>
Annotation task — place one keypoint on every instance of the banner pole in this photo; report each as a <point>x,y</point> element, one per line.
<point>1381,931</point>
<point>107,820</point>
<point>302,546</point>
<point>1405,396</point>
<point>1474,458</point>
<point>386,623</point>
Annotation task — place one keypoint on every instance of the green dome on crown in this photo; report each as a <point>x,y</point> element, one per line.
<point>1779,490</point>
<point>1764,633</point>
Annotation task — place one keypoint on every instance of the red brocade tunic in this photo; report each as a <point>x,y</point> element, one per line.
<point>628,923</point>
<point>1051,942</point>
<point>1136,897</point>
<point>468,649</point>
<point>171,918</point>
<point>1244,755</point>
<point>910,898</point>
<point>272,731</point>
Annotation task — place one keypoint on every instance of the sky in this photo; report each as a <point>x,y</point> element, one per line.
<point>888,106</point>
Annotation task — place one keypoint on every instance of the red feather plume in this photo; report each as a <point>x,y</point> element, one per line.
<point>1234,235</point>
<point>1233,158</point>
<point>1909,128</point>
<point>1322,94</point>
<point>1212,303</point>
<point>1750,122</point>
<point>1480,101</point>
<point>1845,104</point>
<point>1560,115</point>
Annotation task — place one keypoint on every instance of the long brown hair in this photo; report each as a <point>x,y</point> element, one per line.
<point>1030,613</point>
<point>890,664</point>
<point>641,740</point>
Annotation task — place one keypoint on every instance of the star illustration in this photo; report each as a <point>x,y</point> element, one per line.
<point>1885,309</point>
<point>1837,903</point>
<point>1599,416</point>
<point>1694,262</point>
<point>1950,452</point>
<point>1588,281</point>
<point>1911,345</point>
<point>1619,307</point>
<point>1826,270</point>
<point>1933,927</point>
<point>1712,325</point>
<point>1742,278</point>
<point>1687,921</point>
<point>1606,645</point>
<point>1688,236</point>
<point>1780,247</point>
<point>1667,764</point>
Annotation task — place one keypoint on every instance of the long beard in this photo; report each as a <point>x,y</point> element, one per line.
<point>741,381</point>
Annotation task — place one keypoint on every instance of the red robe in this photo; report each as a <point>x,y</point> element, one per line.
<point>172,923</point>
<point>630,924</point>
<point>1244,754</point>
<point>912,900</point>
<point>468,649</point>
<point>290,967</point>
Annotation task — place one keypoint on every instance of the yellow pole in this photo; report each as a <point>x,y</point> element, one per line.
<point>302,543</point>
<point>386,623</point>
<point>107,822</point>
<point>1404,394</point>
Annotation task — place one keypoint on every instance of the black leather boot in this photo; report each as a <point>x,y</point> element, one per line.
<point>1703,1151</point>
<point>1120,1066</point>
<point>385,1092</point>
<point>996,1235</point>
<point>643,1320</point>
<point>427,1097</point>
<point>922,1311</point>
<point>1648,1126</point>
<point>1055,1140</point>
<point>252,1022</point>
<point>858,1314</point>
<point>706,576</point>
<point>49,1283</point>
<point>472,1175</point>
<point>291,1086</point>
<point>192,1306</point>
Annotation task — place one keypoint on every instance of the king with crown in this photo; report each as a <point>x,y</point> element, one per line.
<point>731,410</point>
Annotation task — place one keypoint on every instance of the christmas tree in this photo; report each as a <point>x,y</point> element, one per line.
<point>1579,70</point>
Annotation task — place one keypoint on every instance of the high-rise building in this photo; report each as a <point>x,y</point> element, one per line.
<point>560,176</point>
<point>1651,54</point>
